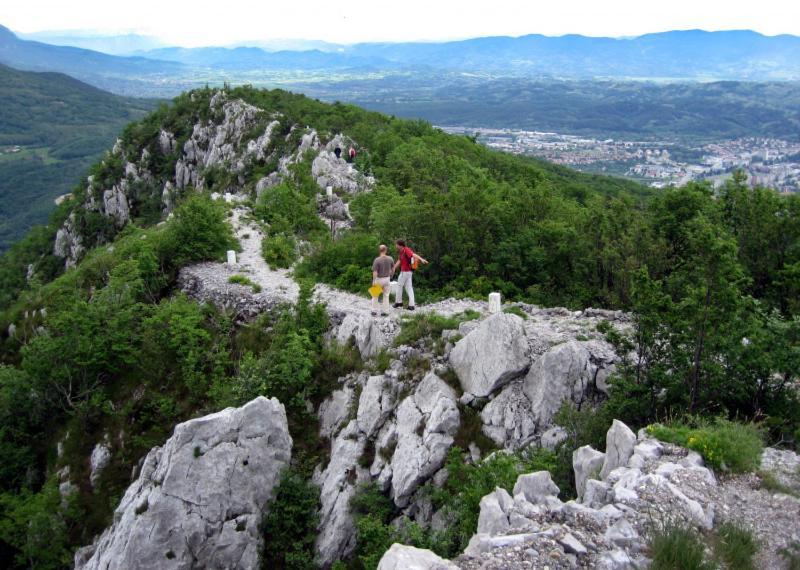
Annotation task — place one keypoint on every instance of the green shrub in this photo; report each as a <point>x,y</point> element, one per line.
<point>771,483</point>
<point>178,347</point>
<point>676,547</point>
<point>290,357</point>
<point>735,546</point>
<point>345,262</point>
<point>725,445</point>
<point>286,209</point>
<point>279,250</point>
<point>36,527</point>
<point>381,361</point>
<point>429,325</point>
<point>242,280</point>
<point>199,232</point>
<point>290,526</point>
<point>335,361</point>
<point>470,430</point>
<point>373,512</point>
<point>515,310</point>
<point>468,483</point>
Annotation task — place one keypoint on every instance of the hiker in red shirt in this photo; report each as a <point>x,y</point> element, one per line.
<point>407,261</point>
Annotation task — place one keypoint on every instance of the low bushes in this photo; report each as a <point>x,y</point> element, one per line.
<point>290,526</point>
<point>724,445</point>
<point>735,546</point>
<point>279,250</point>
<point>242,280</point>
<point>466,485</point>
<point>675,547</point>
<point>425,325</point>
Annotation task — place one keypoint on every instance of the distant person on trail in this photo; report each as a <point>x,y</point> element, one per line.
<point>352,154</point>
<point>382,269</point>
<point>338,152</point>
<point>407,260</point>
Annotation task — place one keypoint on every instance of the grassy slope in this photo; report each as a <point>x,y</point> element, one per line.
<point>64,125</point>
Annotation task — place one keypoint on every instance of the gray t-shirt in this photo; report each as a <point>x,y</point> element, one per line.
<point>383,266</point>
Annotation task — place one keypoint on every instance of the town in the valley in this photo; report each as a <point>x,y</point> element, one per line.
<point>768,162</point>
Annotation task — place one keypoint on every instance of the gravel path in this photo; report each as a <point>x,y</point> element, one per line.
<point>279,282</point>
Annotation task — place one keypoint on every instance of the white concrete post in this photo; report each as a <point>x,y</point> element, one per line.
<point>494,303</point>
<point>329,191</point>
<point>231,257</point>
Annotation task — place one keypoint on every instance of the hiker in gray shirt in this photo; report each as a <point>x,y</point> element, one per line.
<point>381,275</point>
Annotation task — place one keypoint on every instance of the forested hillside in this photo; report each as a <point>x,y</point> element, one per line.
<point>103,348</point>
<point>61,126</point>
<point>634,110</point>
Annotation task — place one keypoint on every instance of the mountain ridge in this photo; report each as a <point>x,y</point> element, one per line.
<point>679,54</point>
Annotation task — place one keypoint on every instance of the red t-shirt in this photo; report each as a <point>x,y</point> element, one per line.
<point>405,259</point>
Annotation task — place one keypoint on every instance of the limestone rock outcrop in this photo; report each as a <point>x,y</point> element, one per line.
<point>565,372</point>
<point>400,557</point>
<point>606,528</point>
<point>199,499</point>
<point>426,424</point>
<point>338,483</point>
<point>620,441</point>
<point>491,355</point>
<point>69,242</point>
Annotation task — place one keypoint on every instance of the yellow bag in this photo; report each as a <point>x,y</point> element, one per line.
<point>375,290</point>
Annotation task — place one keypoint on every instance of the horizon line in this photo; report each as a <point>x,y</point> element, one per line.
<point>109,34</point>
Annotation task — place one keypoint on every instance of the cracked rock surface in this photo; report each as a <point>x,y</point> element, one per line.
<point>199,499</point>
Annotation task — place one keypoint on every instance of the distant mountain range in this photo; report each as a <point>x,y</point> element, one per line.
<point>114,73</point>
<point>676,55</point>
<point>121,44</point>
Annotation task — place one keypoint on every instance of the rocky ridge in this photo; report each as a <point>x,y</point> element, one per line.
<point>198,501</point>
<point>392,427</point>
<point>224,141</point>
<point>639,484</point>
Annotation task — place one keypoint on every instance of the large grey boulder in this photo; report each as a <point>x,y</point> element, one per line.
<point>98,461</point>
<point>338,483</point>
<point>491,355</point>
<point>586,462</point>
<point>620,441</point>
<point>69,242</point>
<point>115,204</point>
<point>493,515</point>
<point>427,422</point>
<point>376,403</point>
<point>364,331</point>
<point>328,170</point>
<point>334,411</point>
<point>507,419</point>
<point>400,557</point>
<point>536,487</point>
<point>200,498</point>
<point>563,373</point>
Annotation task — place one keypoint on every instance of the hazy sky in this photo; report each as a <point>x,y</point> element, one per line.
<point>201,22</point>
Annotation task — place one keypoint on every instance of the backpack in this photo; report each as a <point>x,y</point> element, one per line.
<point>413,261</point>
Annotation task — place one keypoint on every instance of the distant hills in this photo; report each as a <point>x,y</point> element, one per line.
<point>115,73</point>
<point>692,54</point>
<point>675,55</point>
<point>571,84</point>
<point>122,44</point>
<point>52,127</point>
